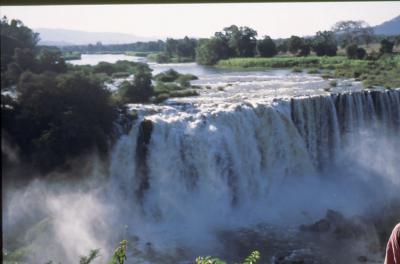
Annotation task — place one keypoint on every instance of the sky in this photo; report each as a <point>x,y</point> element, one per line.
<point>202,20</point>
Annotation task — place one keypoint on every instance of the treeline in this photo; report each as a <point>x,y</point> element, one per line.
<point>234,41</point>
<point>154,46</point>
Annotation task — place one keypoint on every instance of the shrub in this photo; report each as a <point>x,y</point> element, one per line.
<point>386,46</point>
<point>266,47</point>
<point>351,51</point>
<point>168,76</point>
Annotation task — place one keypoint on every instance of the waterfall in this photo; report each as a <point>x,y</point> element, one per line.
<point>178,166</point>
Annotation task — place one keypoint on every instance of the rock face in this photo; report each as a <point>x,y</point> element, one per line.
<point>143,140</point>
<point>335,223</point>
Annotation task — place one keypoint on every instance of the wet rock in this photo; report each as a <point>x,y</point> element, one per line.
<point>320,226</point>
<point>143,140</point>
<point>362,259</point>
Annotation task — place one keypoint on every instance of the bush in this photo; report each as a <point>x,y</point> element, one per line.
<point>386,46</point>
<point>66,115</point>
<point>351,51</point>
<point>266,47</point>
<point>361,53</point>
<point>167,76</point>
<point>141,89</point>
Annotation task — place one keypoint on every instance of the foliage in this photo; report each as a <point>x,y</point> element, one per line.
<point>297,69</point>
<point>89,259</point>
<point>51,60</point>
<point>251,259</point>
<point>14,34</point>
<point>150,46</point>
<point>181,48</point>
<point>173,76</point>
<point>119,255</point>
<point>275,62</point>
<point>241,40</point>
<point>351,51</point>
<point>167,76</point>
<point>159,57</point>
<point>210,51</point>
<point>209,260</point>
<point>324,43</point>
<point>266,47</point>
<point>386,46</point>
<point>72,55</point>
<point>353,32</point>
<point>295,44</point>
<point>66,115</point>
<point>141,89</point>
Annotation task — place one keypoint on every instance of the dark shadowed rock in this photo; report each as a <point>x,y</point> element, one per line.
<point>362,259</point>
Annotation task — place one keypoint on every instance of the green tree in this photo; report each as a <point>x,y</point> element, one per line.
<point>15,34</point>
<point>386,46</point>
<point>353,32</point>
<point>210,51</point>
<point>305,48</point>
<point>266,47</point>
<point>171,46</point>
<point>141,89</point>
<point>351,51</point>
<point>66,115</point>
<point>324,43</point>
<point>186,48</point>
<point>51,60</point>
<point>295,44</point>
<point>241,40</point>
<point>119,255</point>
<point>361,53</point>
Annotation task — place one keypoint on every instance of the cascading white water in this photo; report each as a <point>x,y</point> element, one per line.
<point>195,167</point>
<point>222,166</point>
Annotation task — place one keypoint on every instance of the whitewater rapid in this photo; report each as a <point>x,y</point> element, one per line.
<point>196,165</point>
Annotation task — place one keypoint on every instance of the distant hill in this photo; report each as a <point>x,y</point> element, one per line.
<point>391,27</point>
<point>63,37</point>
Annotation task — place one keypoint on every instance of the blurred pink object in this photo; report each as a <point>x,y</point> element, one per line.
<point>393,247</point>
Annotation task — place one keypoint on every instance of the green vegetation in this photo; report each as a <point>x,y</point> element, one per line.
<point>384,71</point>
<point>324,43</point>
<point>89,259</point>
<point>266,47</point>
<point>276,62</point>
<point>140,90</point>
<point>150,46</point>
<point>173,84</point>
<point>251,259</point>
<point>354,52</point>
<point>138,53</point>
<point>297,69</point>
<point>72,55</point>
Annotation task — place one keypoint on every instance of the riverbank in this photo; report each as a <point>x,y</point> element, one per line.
<point>384,71</point>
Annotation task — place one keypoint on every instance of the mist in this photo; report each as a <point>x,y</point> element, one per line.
<point>206,178</point>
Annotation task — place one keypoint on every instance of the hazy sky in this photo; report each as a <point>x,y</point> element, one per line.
<point>202,20</point>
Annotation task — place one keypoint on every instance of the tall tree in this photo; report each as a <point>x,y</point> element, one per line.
<point>295,44</point>
<point>241,40</point>
<point>266,47</point>
<point>353,32</point>
<point>324,43</point>
<point>15,34</point>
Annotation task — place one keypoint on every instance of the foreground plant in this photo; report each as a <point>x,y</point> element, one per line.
<point>251,259</point>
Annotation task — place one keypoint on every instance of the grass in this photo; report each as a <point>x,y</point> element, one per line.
<point>383,72</point>
<point>297,69</point>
